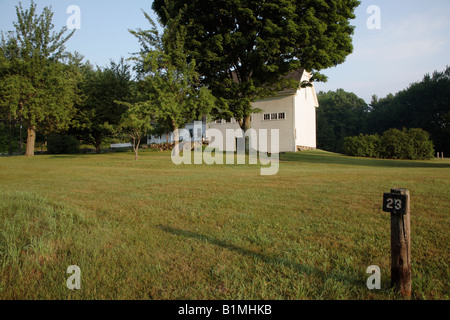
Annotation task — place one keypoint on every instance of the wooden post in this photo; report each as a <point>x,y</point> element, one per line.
<point>401,247</point>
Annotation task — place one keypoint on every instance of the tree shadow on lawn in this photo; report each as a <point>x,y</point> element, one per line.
<point>323,157</point>
<point>303,269</point>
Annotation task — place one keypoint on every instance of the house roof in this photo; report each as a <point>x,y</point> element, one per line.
<point>297,75</point>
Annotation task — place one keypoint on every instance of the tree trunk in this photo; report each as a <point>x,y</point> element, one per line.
<point>136,148</point>
<point>30,141</point>
<point>176,138</point>
<point>245,125</point>
<point>98,144</point>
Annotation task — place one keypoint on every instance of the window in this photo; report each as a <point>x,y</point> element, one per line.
<point>267,116</point>
<point>281,116</point>
<point>274,116</point>
<point>218,121</point>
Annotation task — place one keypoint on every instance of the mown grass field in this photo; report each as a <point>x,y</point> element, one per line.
<point>153,230</point>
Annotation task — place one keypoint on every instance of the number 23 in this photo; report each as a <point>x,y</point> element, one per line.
<point>394,203</point>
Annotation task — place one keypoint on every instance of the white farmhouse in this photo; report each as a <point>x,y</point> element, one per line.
<point>292,112</point>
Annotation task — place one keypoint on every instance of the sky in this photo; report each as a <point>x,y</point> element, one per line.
<point>392,49</point>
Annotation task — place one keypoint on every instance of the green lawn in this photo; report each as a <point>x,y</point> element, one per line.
<point>153,230</point>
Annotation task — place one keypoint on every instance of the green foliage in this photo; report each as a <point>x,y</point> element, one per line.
<point>423,147</point>
<point>168,83</point>
<point>98,113</point>
<point>341,114</point>
<point>37,77</point>
<point>4,139</point>
<point>160,128</point>
<point>424,104</point>
<point>62,144</point>
<point>10,136</point>
<point>136,123</point>
<point>411,144</point>
<point>363,146</point>
<point>244,47</point>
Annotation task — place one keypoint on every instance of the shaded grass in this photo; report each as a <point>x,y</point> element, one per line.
<point>325,157</point>
<point>154,230</point>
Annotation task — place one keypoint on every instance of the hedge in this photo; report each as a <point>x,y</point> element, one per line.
<point>410,144</point>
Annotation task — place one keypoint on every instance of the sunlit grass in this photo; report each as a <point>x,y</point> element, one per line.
<point>153,230</point>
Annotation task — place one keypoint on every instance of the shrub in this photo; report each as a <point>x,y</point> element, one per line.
<point>61,143</point>
<point>363,146</point>
<point>396,144</point>
<point>412,144</point>
<point>423,147</point>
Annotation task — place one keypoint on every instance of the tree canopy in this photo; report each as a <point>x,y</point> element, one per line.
<point>341,114</point>
<point>98,111</point>
<point>244,47</point>
<point>424,104</point>
<point>136,123</point>
<point>38,78</point>
<point>168,82</point>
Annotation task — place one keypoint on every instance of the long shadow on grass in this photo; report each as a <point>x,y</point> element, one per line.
<point>334,158</point>
<point>304,269</point>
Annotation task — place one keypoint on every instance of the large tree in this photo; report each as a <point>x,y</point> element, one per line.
<point>98,112</point>
<point>168,82</point>
<point>244,47</point>
<point>37,82</point>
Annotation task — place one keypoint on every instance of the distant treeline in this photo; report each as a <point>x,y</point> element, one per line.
<point>424,105</point>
